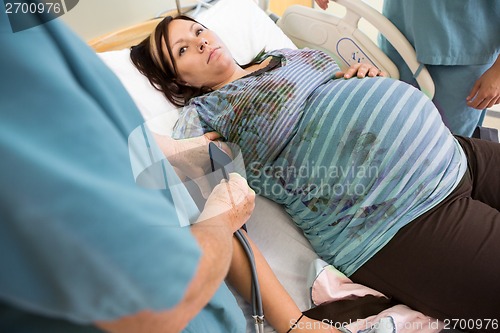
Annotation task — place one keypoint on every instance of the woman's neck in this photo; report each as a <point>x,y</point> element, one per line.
<point>236,74</point>
<point>239,72</point>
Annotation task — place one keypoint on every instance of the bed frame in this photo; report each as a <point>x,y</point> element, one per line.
<point>342,39</point>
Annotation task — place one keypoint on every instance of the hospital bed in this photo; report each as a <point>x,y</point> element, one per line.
<point>282,243</point>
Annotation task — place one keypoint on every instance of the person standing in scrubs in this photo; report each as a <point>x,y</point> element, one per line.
<point>459,42</point>
<point>83,248</point>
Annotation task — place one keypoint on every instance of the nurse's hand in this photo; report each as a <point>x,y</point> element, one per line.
<point>323,4</point>
<point>486,91</point>
<point>232,200</point>
<point>360,70</point>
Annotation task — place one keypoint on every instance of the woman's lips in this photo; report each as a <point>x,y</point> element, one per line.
<point>211,54</point>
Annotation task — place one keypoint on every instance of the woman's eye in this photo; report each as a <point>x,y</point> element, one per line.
<point>199,31</point>
<point>182,50</point>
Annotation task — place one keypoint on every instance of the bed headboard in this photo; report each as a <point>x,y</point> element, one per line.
<point>124,38</point>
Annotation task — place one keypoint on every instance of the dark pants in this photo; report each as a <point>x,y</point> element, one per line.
<point>446,263</point>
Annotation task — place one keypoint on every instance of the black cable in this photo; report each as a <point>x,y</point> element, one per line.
<point>258,313</point>
<point>220,160</point>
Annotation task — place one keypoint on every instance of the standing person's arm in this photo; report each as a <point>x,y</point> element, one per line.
<point>486,91</point>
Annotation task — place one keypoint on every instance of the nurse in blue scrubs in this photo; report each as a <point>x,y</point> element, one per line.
<point>459,42</point>
<point>82,246</point>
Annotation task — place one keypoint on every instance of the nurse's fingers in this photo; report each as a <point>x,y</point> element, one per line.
<point>323,4</point>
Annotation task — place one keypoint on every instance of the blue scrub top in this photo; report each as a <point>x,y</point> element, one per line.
<point>80,241</point>
<point>448,32</point>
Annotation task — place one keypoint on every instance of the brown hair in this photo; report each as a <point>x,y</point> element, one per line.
<point>149,58</point>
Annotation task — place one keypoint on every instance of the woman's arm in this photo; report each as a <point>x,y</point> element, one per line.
<point>279,308</point>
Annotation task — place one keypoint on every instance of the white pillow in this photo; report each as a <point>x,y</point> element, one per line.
<point>241,24</point>
<point>244,28</point>
<point>151,102</point>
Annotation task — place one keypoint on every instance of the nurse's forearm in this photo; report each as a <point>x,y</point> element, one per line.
<point>228,207</point>
<point>215,241</point>
<point>496,65</point>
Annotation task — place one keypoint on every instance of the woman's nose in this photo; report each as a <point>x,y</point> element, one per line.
<point>203,43</point>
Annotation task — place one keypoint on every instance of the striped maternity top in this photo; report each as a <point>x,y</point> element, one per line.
<point>352,161</point>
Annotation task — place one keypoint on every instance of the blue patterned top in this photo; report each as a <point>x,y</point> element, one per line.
<point>352,161</point>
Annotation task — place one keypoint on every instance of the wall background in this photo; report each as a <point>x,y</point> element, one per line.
<point>92,18</point>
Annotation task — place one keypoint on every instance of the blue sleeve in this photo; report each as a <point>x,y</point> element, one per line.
<point>79,240</point>
<point>189,123</point>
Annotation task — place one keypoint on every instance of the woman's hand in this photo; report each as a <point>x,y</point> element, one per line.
<point>232,199</point>
<point>486,91</point>
<point>360,70</point>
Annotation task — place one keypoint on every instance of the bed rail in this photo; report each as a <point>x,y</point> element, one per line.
<point>341,37</point>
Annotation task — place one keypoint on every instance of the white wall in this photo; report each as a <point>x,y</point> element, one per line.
<point>92,18</point>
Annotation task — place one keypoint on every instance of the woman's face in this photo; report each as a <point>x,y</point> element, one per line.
<point>201,58</point>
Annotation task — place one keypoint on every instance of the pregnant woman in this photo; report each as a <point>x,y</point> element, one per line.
<point>365,167</point>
